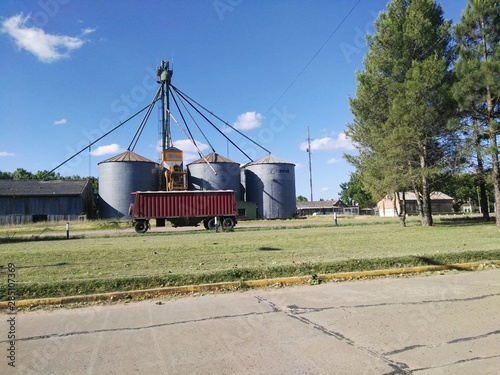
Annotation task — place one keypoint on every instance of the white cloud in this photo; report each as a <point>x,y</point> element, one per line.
<point>329,144</point>
<point>187,145</point>
<point>113,148</point>
<point>5,153</point>
<point>87,31</point>
<point>46,47</point>
<point>332,161</point>
<point>248,121</point>
<point>60,122</point>
<point>324,189</point>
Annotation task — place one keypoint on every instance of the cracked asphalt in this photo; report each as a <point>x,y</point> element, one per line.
<point>438,324</point>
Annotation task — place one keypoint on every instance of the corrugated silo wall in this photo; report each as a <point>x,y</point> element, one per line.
<point>202,177</point>
<point>117,180</point>
<point>272,188</point>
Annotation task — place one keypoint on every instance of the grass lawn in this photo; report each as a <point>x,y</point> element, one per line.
<point>58,267</point>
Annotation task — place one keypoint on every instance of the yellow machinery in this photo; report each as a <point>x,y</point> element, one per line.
<point>175,176</point>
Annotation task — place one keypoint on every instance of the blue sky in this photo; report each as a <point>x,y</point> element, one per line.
<point>72,70</point>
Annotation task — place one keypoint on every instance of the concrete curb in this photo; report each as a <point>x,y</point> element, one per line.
<point>282,281</point>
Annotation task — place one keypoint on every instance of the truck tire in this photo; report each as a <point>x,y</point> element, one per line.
<point>210,223</point>
<point>141,226</point>
<point>228,223</point>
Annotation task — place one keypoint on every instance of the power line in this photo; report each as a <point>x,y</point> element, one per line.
<point>314,56</point>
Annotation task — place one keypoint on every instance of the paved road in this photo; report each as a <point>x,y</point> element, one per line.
<point>440,324</point>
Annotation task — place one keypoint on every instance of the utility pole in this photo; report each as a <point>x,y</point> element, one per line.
<point>310,163</point>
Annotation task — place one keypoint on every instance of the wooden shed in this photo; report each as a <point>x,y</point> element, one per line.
<point>31,201</point>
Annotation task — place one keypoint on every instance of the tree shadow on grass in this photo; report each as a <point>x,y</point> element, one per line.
<point>464,221</point>
<point>433,262</point>
<point>266,248</point>
<point>46,265</point>
<point>5,240</point>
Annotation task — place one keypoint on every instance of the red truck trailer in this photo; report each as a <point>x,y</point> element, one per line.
<point>184,208</point>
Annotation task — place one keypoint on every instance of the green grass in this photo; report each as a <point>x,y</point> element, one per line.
<point>56,229</point>
<point>58,267</point>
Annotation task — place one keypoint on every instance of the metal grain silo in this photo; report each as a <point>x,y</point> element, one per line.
<point>270,183</point>
<point>121,175</point>
<point>201,175</point>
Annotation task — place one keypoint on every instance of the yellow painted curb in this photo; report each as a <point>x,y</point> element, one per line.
<point>187,289</point>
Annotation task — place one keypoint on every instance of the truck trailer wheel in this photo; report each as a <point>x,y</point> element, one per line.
<point>228,223</point>
<point>209,224</point>
<point>141,226</point>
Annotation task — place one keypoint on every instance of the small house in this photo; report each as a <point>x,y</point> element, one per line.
<point>440,204</point>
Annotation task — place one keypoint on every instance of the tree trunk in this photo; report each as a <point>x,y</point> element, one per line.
<point>425,197</point>
<point>496,170</point>
<point>426,204</point>
<point>402,208</point>
<point>480,175</point>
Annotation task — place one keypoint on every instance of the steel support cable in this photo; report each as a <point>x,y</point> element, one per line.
<point>142,125</point>
<point>189,135</point>
<point>195,145</point>
<point>187,126</point>
<point>97,140</point>
<point>314,56</point>
<point>188,99</point>
<point>192,119</point>
<point>215,127</point>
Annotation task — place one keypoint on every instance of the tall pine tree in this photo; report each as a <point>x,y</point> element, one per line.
<point>478,86</point>
<point>403,103</point>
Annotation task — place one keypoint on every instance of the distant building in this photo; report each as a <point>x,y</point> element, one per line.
<point>320,208</point>
<point>440,204</point>
<point>31,201</point>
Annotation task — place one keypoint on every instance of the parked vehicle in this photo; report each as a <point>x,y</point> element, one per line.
<point>184,208</point>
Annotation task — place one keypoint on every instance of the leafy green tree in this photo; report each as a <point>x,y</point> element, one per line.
<point>403,104</point>
<point>478,87</point>
<point>353,191</point>
<point>94,181</point>
<point>22,174</point>
<point>45,175</point>
<point>5,175</point>
<point>463,187</point>
<point>301,198</point>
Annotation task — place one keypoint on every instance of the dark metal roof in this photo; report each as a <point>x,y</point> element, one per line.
<point>127,156</point>
<point>213,158</point>
<point>11,188</point>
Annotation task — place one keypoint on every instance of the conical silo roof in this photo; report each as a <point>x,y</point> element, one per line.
<point>127,156</point>
<point>213,158</point>
<point>269,159</point>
